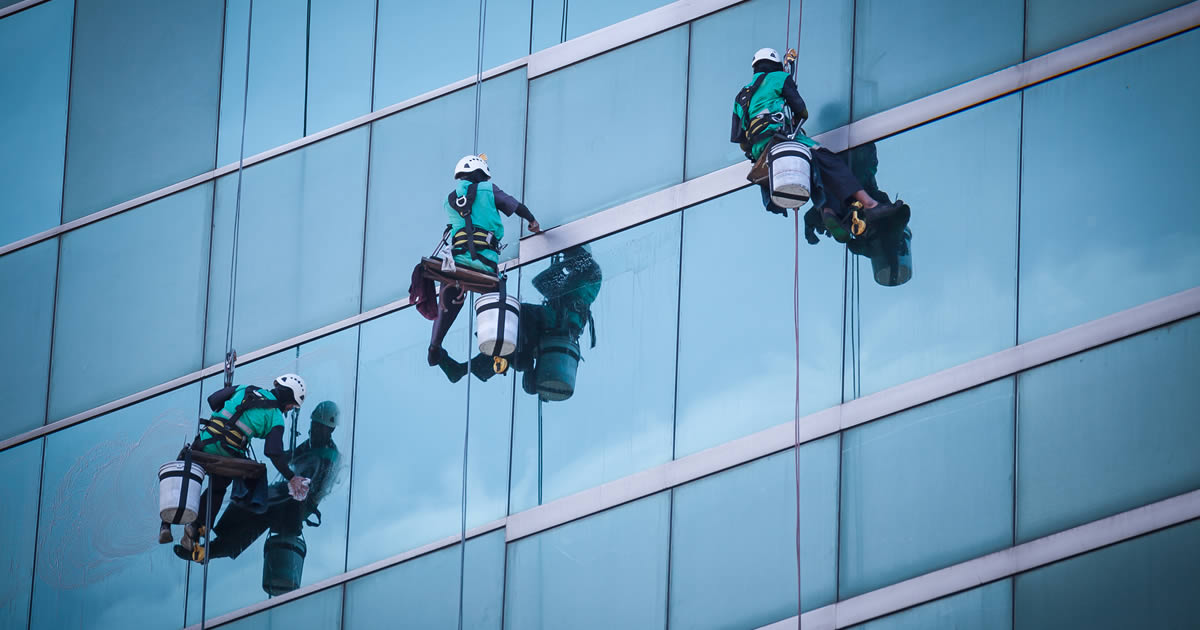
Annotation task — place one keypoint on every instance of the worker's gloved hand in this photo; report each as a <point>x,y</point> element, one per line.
<point>535,227</point>
<point>298,487</point>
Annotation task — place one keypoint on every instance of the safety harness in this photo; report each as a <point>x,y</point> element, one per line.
<point>759,127</point>
<point>469,239</point>
<point>232,433</point>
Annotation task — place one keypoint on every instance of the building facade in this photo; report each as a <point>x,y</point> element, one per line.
<point>1007,440</point>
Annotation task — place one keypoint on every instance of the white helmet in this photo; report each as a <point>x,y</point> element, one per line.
<point>295,384</point>
<point>765,54</point>
<point>471,163</point>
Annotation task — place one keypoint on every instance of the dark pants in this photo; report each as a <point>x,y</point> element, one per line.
<point>449,305</point>
<point>833,184</point>
<point>239,527</point>
<point>217,485</point>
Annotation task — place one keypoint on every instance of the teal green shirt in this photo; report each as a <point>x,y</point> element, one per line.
<point>484,215</point>
<point>769,98</point>
<point>259,421</point>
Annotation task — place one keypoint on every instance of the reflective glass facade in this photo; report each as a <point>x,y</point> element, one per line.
<point>1033,382</point>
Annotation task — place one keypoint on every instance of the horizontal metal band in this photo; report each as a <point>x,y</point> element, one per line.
<point>338,580</point>
<point>20,6</point>
<point>1001,564</point>
<point>859,411</point>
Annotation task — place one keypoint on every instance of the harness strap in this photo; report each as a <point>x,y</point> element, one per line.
<point>183,486</point>
<point>463,206</point>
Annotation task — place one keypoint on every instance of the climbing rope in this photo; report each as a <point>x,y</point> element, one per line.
<point>796,325</point>
<point>479,72</point>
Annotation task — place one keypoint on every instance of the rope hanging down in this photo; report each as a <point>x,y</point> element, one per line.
<point>796,326</point>
<point>462,546</point>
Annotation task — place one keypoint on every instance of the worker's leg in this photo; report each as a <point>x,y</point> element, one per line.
<point>449,305</point>
<point>237,529</point>
<point>454,370</point>
<point>843,188</point>
<point>217,486</point>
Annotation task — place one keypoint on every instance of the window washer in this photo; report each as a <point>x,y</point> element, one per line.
<point>569,286</point>
<point>317,459</point>
<point>475,230</point>
<point>768,110</point>
<point>248,412</point>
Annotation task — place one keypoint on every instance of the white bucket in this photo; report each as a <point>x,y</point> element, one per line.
<point>171,486</point>
<point>487,319</point>
<point>790,172</point>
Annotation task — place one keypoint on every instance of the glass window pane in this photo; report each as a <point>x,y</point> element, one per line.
<point>144,90</point>
<point>27,292</point>
<point>33,116</point>
<point>1052,24</point>
<point>421,46</point>
<point>617,417</point>
<point>553,577</point>
<point>906,49</point>
<point>733,560</point>
<point>247,551</point>
<point>407,487</point>
<point>131,293</point>
<point>423,592</point>
<point>985,608</point>
<point>1105,262</point>
<point>961,301</point>
<point>736,356</point>
<point>722,47</point>
<point>319,611</point>
<point>581,18</point>
<point>99,564</point>
<point>927,488</point>
<point>588,153</point>
<point>340,61</point>
<point>413,154</point>
<point>299,245</point>
<point>1147,582</point>
<point>277,81</point>
<point>19,524</point>
<point>1108,430</point>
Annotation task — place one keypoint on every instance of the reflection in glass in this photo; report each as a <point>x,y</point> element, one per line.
<point>1113,253</point>
<point>341,48</point>
<point>926,488</point>
<point>145,81</point>
<point>1108,430</point>
<point>1052,24</point>
<point>271,543</point>
<point>1147,582</point>
<point>553,576</point>
<point>984,608</point>
<point>98,561</point>
<point>733,560</point>
<point>20,467</point>
<point>33,116</point>
<point>319,611</point>
<point>620,416</point>
<point>27,282</point>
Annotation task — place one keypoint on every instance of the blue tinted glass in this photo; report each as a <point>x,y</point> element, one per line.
<point>421,46</point>
<point>906,49</point>
<point>616,415</point>
<point>723,46</point>
<point>984,608</point>
<point>927,488</point>
<point>299,248</point>
<point>412,170</point>
<point>1107,262</point>
<point>736,356</point>
<point>33,116</point>
<point>253,555</point>
<point>408,447</point>
<point>130,311</point>
<point>341,39</point>
<point>423,592</point>
<point>319,611</point>
<point>27,292</point>
<point>144,90</point>
<point>277,81</point>
<point>588,153</point>
<point>1108,430</point>
<point>549,27</point>
<point>19,524</point>
<point>960,303</point>
<point>1051,24</point>
<point>99,563</point>
<point>554,577</point>
<point>733,560</point>
<point>1147,582</point>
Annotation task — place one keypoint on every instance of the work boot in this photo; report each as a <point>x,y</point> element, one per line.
<point>434,355</point>
<point>834,225</point>
<point>195,554</point>
<point>880,212</point>
<point>164,534</point>
<point>191,535</point>
<point>451,368</point>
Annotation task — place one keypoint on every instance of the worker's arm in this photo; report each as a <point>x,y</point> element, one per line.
<point>274,451</point>
<point>792,95</point>
<point>509,205</point>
